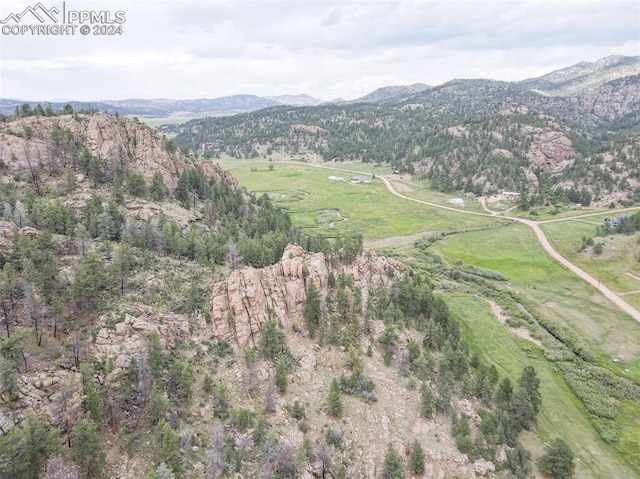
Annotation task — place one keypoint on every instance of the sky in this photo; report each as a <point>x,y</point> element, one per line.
<point>326,49</point>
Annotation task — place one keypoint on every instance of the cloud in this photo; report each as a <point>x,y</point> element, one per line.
<point>187,49</point>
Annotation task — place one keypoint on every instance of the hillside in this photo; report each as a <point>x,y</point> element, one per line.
<point>391,94</point>
<point>157,322</point>
<point>584,76</point>
<point>467,135</point>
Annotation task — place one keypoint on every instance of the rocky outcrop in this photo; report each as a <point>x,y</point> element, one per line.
<point>549,150</point>
<point>241,304</point>
<point>29,143</point>
<point>127,339</point>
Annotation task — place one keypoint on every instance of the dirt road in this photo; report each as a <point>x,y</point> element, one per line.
<point>610,295</point>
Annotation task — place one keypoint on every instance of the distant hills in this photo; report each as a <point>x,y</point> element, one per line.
<point>578,79</point>
<point>226,105</point>
<point>584,76</point>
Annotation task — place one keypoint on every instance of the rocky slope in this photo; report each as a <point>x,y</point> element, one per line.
<point>241,304</point>
<point>46,143</point>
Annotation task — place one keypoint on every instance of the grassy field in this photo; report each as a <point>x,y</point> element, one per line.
<point>332,208</point>
<point>551,292</point>
<point>560,408</point>
<point>619,255</point>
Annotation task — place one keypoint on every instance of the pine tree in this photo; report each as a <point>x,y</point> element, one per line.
<point>335,402</point>
<point>393,467</point>
<point>281,376</point>
<point>427,402</point>
<point>156,408</point>
<point>158,189</point>
<point>87,449</point>
<point>530,383</point>
<point>312,308</point>
<point>168,446</point>
<point>9,381</point>
<point>417,458</point>
<point>273,344</point>
<point>557,461</point>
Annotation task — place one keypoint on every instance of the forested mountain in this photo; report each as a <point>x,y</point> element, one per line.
<point>469,135</point>
<point>390,94</point>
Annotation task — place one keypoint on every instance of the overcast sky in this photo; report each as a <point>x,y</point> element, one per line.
<point>185,49</point>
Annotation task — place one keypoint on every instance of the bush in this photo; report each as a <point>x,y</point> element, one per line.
<point>335,438</point>
<point>297,410</point>
<point>417,458</point>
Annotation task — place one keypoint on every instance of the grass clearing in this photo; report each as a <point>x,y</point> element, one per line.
<point>365,208</point>
<point>560,408</point>
<point>619,255</point>
<point>551,292</point>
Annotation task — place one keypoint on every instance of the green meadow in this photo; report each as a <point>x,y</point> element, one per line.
<point>333,208</point>
<point>551,292</point>
<point>616,266</point>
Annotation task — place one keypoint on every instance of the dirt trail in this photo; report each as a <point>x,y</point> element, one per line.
<point>609,294</point>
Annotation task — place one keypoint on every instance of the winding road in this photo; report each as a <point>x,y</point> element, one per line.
<point>534,225</point>
<point>608,293</point>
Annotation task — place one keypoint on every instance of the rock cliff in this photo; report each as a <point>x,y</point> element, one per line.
<point>241,304</point>
<point>47,143</point>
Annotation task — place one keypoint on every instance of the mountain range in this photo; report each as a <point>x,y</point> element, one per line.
<point>576,79</point>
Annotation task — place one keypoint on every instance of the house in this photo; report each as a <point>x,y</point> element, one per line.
<point>615,221</point>
<point>511,195</point>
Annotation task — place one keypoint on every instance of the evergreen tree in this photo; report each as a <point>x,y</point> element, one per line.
<point>393,467</point>
<point>417,458</point>
<point>273,344</point>
<point>557,461</point>
<point>281,376</point>
<point>9,381</point>
<point>136,185</point>
<point>155,355</point>
<point>87,449</point>
<point>312,309</point>
<point>90,282</point>
<point>530,383</point>
<point>167,444</point>
<point>427,402</point>
<point>156,408</point>
<point>158,189</point>
<point>179,382</point>
<point>335,402</point>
